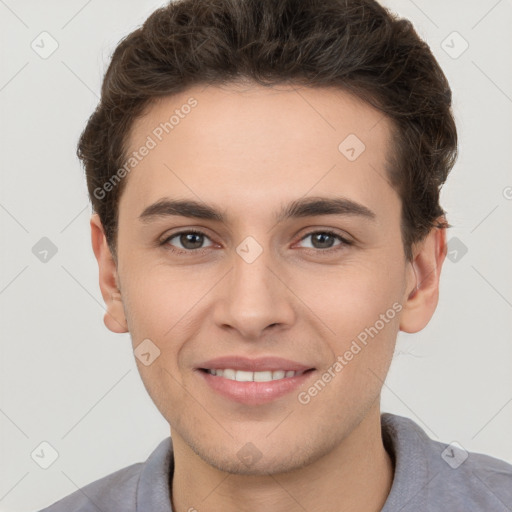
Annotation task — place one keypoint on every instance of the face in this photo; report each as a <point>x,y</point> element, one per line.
<point>292,251</point>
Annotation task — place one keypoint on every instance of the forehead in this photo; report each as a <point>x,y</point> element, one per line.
<point>255,144</point>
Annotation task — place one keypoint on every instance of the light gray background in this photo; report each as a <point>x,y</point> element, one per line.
<point>67,380</point>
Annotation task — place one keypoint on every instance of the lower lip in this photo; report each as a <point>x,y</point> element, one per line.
<point>254,393</point>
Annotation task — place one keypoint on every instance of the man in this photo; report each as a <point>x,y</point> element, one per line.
<point>265,180</point>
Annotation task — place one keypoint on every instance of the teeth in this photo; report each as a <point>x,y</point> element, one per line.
<point>228,374</point>
<point>262,376</point>
<point>245,376</point>
<point>242,376</point>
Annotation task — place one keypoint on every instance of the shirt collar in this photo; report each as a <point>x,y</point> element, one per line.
<point>404,440</point>
<point>154,486</point>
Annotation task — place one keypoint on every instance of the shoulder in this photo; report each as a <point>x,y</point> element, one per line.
<point>115,491</point>
<point>472,480</point>
<point>129,489</point>
<point>444,475</point>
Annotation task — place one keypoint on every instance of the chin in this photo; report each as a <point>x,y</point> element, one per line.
<point>263,461</point>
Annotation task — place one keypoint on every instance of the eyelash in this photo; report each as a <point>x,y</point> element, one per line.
<point>344,242</point>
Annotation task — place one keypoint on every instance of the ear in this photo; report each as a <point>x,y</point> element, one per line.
<point>423,281</point>
<point>114,317</point>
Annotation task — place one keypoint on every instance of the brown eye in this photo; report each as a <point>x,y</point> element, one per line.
<point>325,240</point>
<point>188,241</point>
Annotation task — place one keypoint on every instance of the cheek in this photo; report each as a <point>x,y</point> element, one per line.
<point>350,298</point>
<point>360,306</point>
<point>361,310</point>
<point>160,300</point>
<point>158,307</point>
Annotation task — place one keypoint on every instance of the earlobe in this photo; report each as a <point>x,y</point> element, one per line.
<point>114,318</point>
<point>423,282</point>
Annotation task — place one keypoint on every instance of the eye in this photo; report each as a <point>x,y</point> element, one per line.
<point>324,240</point>
<point>189,240</point>
<point>192,241</point>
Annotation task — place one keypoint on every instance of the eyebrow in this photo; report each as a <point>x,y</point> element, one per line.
<point>304,207</point>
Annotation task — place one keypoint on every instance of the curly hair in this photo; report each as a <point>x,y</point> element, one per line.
<point>355,45</point>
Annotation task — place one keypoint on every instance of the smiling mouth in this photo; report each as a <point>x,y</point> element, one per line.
<point>249,376</point>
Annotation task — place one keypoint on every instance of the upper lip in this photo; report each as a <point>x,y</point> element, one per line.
<point>253,365</point>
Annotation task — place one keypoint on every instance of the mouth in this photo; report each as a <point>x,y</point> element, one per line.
<point>252,381</point>
<point>250,376</point>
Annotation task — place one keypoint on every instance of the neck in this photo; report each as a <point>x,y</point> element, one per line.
<point>355,476</point>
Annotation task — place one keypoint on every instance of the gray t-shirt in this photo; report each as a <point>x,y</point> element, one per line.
<point>429,476</point>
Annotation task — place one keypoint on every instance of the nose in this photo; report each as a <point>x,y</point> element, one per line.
<point>254,298</point>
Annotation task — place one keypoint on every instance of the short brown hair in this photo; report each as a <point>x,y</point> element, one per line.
<point>356,45</point>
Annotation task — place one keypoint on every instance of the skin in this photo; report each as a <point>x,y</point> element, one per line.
<point>248,151</point>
